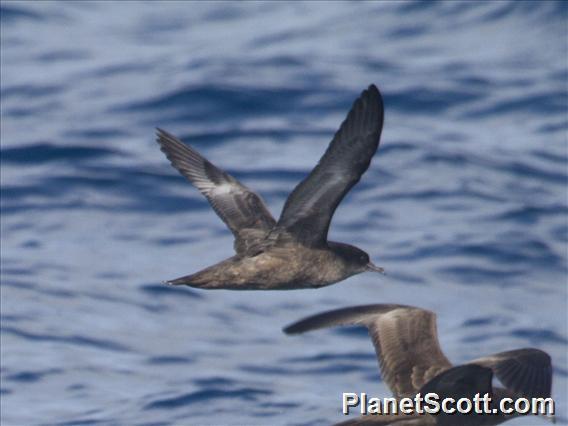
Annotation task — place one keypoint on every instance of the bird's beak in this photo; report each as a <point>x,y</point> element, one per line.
<point>374,268</point>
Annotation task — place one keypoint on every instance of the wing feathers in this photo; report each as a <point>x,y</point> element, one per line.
<point>405,339</point>
<point>236,205</point>
<point>356,315</point>
<point>527,372</point>
<point>308,210</point>
<point>409,354</point>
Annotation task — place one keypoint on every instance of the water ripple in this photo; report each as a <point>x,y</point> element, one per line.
<point>209,395</point>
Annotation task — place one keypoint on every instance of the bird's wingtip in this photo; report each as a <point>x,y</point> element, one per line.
<point>164,137</point>
<point>290,330</point>
<point>160,133</point>
<point>374,91</point>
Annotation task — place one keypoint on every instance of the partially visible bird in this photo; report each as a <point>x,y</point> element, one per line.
<point>411,361</point>
<point>293,252</point>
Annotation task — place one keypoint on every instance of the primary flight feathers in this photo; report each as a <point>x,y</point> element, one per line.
<point>310,206</point>
<point>236,205</point>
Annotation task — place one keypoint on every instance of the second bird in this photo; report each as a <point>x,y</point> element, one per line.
<point>293,252</point>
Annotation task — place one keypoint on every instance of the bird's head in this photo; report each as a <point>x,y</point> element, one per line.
<point>357,260</point>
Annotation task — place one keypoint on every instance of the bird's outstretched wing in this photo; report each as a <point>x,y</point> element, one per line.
<point>239,207</point>
<point>405,339</point>
<point>310,207</point>
<point>526,372</point>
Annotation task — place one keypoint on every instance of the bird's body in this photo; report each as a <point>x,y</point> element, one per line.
<point>411,362</point>
<point>282,267</point>
<point>293,252</point>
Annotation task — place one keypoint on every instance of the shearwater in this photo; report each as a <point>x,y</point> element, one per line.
<point>293,252</point>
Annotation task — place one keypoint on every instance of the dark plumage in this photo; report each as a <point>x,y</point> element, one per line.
<point>293,252</point>
<point>411,361</point>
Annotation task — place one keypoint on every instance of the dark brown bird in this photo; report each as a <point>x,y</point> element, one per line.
<point>411,361</point>
<point>293,252</point>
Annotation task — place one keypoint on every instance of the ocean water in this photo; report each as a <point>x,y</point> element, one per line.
<point>465,203</point>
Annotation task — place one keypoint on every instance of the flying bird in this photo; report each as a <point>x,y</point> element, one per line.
<point>411,361</point>
<point>293,252</point>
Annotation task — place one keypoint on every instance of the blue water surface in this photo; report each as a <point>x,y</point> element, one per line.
<point>465,203</point>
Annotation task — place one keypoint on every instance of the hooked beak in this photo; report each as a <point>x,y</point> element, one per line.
<point>374,268</point>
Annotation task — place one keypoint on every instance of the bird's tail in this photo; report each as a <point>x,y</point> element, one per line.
<point>208,278</point>
<point>196,280</point>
